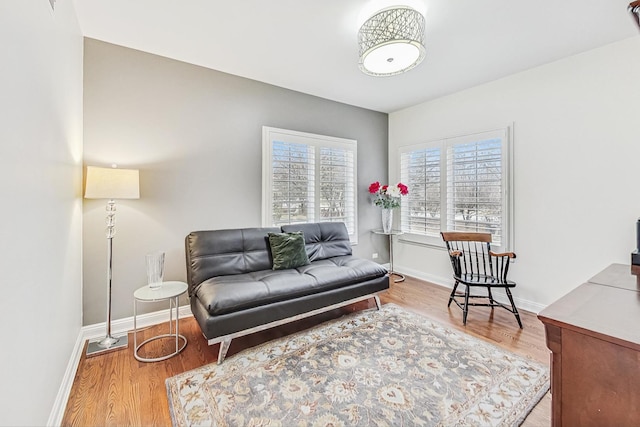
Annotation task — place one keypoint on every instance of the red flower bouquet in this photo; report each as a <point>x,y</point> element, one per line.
<point>388,197</point>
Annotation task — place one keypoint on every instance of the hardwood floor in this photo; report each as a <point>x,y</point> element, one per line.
<point>114,389</point>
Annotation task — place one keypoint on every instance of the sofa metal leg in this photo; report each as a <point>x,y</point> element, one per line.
<point>224,346</point>
<point>378,304</point>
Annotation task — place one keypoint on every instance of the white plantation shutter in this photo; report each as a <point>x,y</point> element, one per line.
<point>337,185</point>
<point>475,185</point>
<point>308,178</point>
<point>458,184</point>
<point>420,170</point>
<point>293,183</point>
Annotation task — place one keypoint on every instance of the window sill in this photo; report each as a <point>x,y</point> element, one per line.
<point>431,243</point>
<point>424,241</point>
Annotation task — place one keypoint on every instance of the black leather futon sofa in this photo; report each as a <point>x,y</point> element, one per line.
<point>235,291</point>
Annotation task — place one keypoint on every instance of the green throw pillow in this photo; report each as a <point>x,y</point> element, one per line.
<point>287,250</point>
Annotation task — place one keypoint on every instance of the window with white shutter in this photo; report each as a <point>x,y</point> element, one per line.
<point>292,183</point>
<point>420,171</point>
<point>458,184</point>
<point>308,178</point>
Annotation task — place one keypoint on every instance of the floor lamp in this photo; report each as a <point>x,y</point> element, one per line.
<point>110,184</point>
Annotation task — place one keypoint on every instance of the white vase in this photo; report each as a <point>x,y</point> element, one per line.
<point>387,220</point>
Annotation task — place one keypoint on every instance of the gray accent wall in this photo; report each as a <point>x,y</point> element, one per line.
<point>196,136</point>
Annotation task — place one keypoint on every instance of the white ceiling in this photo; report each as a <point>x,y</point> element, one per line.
<point>310,45</point>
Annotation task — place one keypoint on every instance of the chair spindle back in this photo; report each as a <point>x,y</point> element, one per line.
<point>470,254</point>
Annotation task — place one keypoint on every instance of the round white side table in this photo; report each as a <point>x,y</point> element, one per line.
<point>391,234</point>
<point>170,291</point>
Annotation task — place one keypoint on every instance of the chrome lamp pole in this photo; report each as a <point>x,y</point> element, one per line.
<point>110,183</point>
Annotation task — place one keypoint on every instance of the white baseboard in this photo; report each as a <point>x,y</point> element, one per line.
<point>121,326</point>
<point>118,327</point>
<point>523,304</point>
<point>60,404</point>
<point>436,280</point>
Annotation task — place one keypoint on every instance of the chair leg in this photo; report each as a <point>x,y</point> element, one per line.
<point>513,306</point>
<point>465,310</point>
<point>453,292</point>
<point>490,296</point>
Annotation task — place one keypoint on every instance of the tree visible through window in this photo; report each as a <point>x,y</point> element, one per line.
<point>293,183</point>
<point>474,189</point>
<point>458,184</point>
<point>308,178</point>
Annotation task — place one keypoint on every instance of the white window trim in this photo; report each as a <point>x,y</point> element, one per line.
<point>269,134</point>
<point>507,188</point>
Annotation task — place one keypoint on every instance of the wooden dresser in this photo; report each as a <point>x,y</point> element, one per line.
<point>593,333</point>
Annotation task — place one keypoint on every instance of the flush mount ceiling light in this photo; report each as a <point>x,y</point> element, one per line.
<point>391,41</point>
<point>634,8</point>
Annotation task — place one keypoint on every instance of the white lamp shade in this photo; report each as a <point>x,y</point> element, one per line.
<point>112,183</point>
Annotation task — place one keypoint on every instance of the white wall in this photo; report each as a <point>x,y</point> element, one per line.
<point>40,181</point>
<point>576,165</point>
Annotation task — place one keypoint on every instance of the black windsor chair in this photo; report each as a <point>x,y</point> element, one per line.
<point>476,265</point>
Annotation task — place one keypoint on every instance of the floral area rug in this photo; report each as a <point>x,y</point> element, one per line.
<point>381,368</point>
